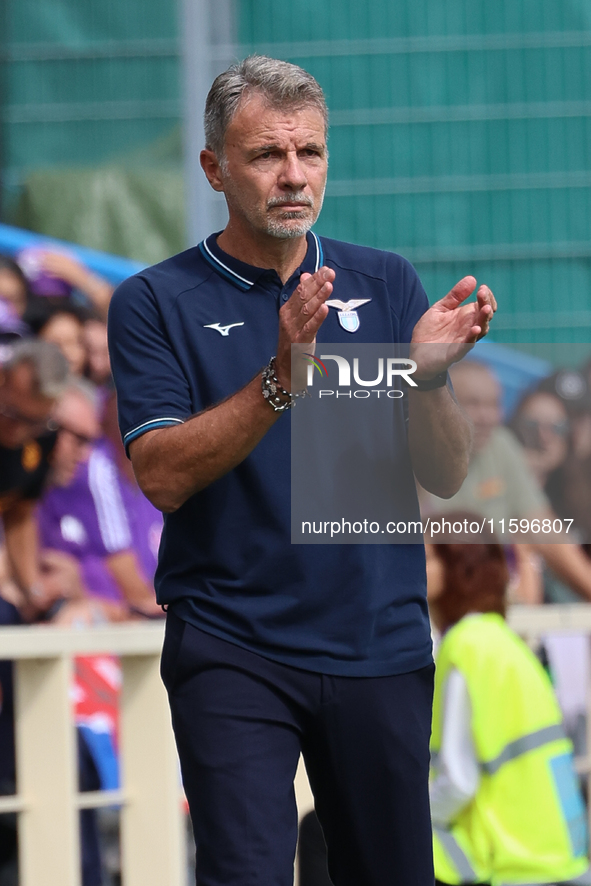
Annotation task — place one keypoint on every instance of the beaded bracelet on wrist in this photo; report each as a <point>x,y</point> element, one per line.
<point>274,393</point>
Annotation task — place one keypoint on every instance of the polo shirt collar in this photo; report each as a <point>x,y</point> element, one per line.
<point>245,276</point>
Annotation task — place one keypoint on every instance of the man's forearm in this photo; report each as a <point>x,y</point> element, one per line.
<point>127,572</point>
<point>22,549</point>
<point>440,439</point>
<point>174,463</point>
<point>569,563</point>
<point>22,546</point>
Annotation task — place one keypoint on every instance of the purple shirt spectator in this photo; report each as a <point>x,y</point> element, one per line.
<point>145,521</point>
<point>88,519</point>
<point>146,526</point>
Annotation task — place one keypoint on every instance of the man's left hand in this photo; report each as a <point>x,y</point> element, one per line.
<point>456,326</point>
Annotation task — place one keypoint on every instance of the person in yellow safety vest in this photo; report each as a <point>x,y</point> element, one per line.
<point>505,800</point>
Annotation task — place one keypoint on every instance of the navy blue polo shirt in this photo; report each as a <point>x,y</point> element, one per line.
<point>193,330</point>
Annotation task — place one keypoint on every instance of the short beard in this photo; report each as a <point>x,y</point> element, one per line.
<point>282,231</point>
<point>278,227</point>
<point>274,227</point>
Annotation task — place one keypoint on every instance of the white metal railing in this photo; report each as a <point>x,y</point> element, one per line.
<point>152,831</point>
<point>48,800</point>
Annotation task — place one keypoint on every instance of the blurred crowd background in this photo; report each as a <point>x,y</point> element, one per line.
<point>460,138</point>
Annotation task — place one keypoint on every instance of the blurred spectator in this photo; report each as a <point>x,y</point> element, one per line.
<point>573,495</point>
<point>80,336</point>
<point>30,383</point>
<point>541,425</point>
<point>83,513</point>
<point>41,283</point>
<point>78,428</point>
<point>98,363</point>
<point>65,267</point>
<point>64,327</point>
<point>53,273</point>
<point>98,370</point>
<point>499,484</point>
<point>53,582</point>
<point>14,289</point>
<point>11,329</point>
<point>572,388</point>
<point>505,800</point>
<point>145,520</point>
<point>113,435</point>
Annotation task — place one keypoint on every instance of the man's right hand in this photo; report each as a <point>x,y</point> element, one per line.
<point>171,464</point>
<point>300,318</point>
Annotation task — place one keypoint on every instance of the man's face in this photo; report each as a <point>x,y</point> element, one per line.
<point>12,291</point>
<point>24,413</point>
<point>543,428</point>
<point>97,350</point>
<point>78,428</point>
<point>479,395</point>
<point>274,170</point>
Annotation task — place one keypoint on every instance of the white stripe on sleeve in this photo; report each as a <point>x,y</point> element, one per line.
<point>110,510</point>
<point>457,774</point>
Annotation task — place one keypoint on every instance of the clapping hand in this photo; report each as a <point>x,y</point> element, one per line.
<point>452,326</point>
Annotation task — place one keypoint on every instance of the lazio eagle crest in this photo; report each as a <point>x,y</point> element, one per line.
<point>348,316</point>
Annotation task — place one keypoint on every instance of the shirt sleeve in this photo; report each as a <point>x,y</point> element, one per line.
<point>111,515</point>
<point>456,771</point>
<point>152,389</point>
<point>415,301</point>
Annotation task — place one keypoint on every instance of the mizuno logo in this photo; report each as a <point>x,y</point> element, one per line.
<point>223,330</point>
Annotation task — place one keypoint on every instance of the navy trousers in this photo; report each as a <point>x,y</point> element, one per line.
<point>240,722</point>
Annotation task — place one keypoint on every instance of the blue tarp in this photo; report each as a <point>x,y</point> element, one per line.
<point>111,267</point>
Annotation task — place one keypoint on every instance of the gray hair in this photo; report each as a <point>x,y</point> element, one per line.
<point>282,84</point>
<point>51,371</point>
